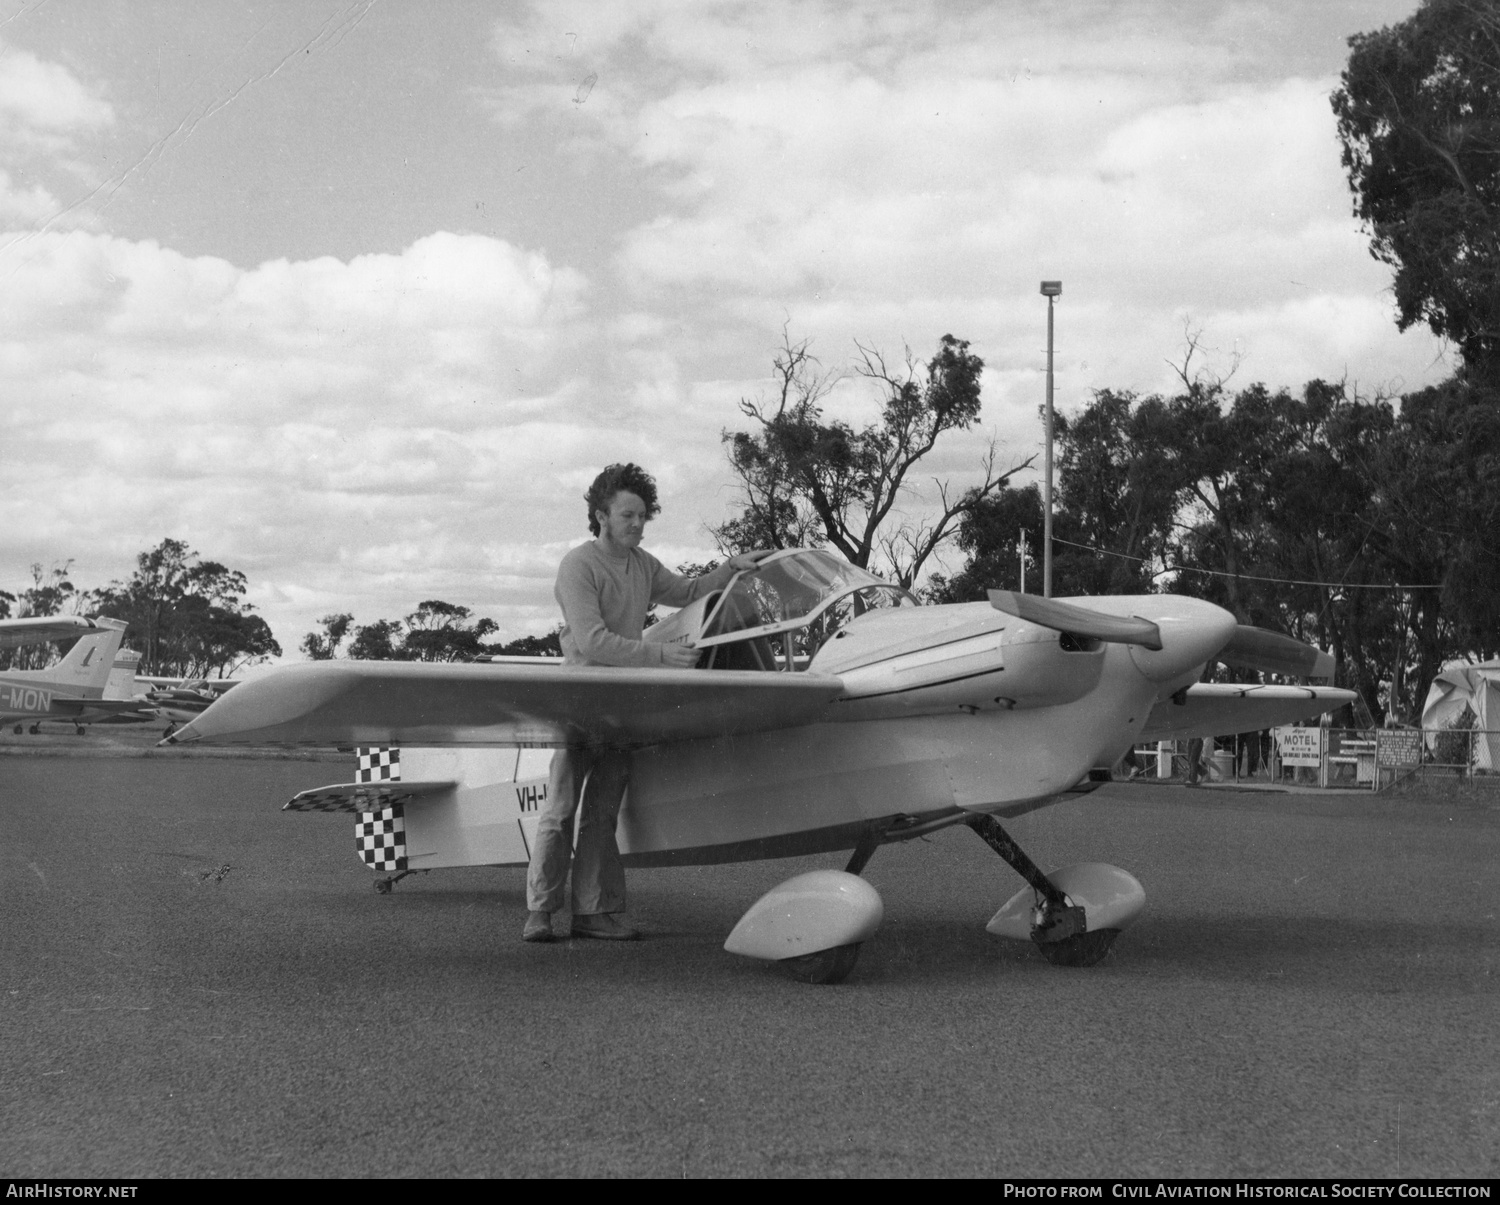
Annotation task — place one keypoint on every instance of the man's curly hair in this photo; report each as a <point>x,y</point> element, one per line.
<point>630,478</point>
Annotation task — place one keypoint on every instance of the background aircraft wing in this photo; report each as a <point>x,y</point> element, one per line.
<point>417,703</point>
<point>15,633</point>
<point>1223,708</point>
<point>216,686</point>
<point>68,707</point>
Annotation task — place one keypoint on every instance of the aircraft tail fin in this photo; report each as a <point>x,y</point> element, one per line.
<point>121,681</point>
<point>88,664</point>
<point>466,807</point>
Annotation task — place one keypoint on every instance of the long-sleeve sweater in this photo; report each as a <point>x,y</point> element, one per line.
<point>604,600</point>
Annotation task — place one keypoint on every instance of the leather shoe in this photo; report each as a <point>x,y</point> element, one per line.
<point>538,927</point>
<point>603,926</point>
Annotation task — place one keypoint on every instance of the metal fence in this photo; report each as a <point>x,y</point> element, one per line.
<point>1371,758</point>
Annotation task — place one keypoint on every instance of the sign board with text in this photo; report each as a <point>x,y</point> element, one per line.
<point>1299,746</point>
<point>1398,747</point>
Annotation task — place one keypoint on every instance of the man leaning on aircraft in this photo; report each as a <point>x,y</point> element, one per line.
<point>605,587</point>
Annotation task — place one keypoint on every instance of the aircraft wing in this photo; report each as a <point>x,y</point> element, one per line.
<point>418,703</point>
<point>39,629</point>
<point>1223,708</point>
<point>215,686</point>
<point>69,707</point>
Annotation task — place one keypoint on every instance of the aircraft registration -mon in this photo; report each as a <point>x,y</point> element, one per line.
<point>25,698</point>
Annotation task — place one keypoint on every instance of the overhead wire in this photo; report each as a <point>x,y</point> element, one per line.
<point>1248,577</point>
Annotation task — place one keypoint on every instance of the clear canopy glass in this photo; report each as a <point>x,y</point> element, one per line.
<point>784,610</point>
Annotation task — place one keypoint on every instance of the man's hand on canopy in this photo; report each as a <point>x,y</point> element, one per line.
<point>678,656</point>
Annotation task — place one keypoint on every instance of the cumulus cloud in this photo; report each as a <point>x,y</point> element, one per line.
<point>44,108</point>
<point>362,433</point>
<point>891,174</point>
<point>337,428</point>
<point>36,96</point>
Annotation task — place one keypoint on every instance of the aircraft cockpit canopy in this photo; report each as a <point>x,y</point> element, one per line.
<point>778,615</point>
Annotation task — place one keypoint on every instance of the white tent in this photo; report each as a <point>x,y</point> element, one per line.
<point>1461,684</point>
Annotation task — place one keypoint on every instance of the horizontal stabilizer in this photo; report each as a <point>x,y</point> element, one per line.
<point>1081,621</point>
<point>1273,653</point>
<point>363,796</point>
<point>40,629</point>
<point>1225,708</point>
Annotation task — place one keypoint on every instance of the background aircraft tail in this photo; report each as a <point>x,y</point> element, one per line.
<point>87,666</point>
<point>121,683</point>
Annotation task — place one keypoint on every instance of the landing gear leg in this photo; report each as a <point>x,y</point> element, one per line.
<point>1058,927</point>
<point>869,842</point>
<point>383,886</point>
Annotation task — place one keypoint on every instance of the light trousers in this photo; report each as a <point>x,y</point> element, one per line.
<point>598,877</point>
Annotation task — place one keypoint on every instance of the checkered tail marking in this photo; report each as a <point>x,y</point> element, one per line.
<point>380,836</point>
<point>359,800</point>
<point>378,763</point>
<point>381,839</point>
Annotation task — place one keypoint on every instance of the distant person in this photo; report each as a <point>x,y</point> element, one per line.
<point>605,587</point>
<point>1195,761</point>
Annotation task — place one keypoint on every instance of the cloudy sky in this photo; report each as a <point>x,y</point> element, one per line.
<point>356,297</point>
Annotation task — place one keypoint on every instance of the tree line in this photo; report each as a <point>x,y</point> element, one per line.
<point>435,631</point>
<point>187,616</point>
<point>1363,527</point>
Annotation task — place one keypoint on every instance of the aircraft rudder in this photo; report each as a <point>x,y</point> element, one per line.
<point>121,683</point>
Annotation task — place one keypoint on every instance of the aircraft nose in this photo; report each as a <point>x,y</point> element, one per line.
<point>1192,631</point>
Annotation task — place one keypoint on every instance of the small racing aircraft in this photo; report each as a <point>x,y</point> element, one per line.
<point>73,690</point>
<point>830,711</point>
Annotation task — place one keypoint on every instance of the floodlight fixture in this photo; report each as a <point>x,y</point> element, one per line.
<point>1051,288</point>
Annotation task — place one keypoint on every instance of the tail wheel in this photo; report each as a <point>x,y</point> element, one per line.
<point>826,966</point>
<point>1079,950</point>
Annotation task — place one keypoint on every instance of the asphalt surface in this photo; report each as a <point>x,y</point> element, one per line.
<point>193,983</point>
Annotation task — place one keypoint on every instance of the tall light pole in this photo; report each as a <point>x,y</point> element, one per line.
<point>1050,290</point>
